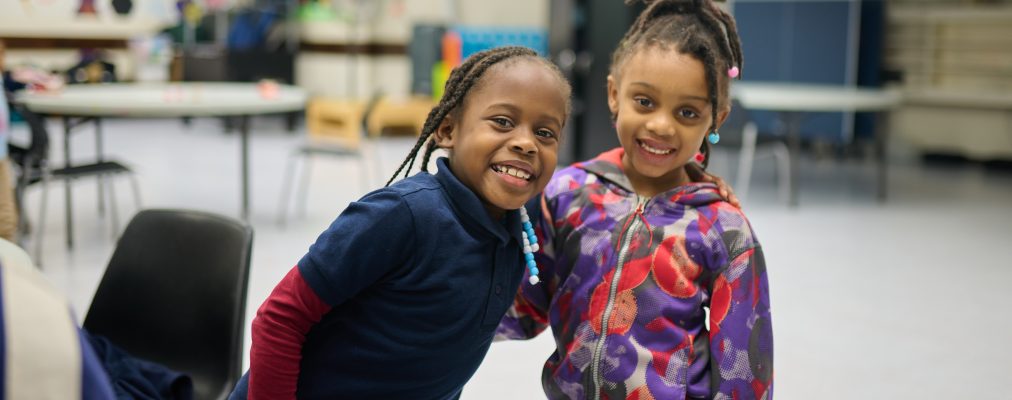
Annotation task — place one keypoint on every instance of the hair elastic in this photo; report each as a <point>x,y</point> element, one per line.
<point>733,72</point>
<point>713,137</point>
<point>530,245</point>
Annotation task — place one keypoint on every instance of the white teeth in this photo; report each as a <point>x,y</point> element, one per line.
<point>512,171</point>
<point>654,150</point>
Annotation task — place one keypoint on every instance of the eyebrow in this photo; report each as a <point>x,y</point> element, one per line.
<point>655,88</point>
<point>516,110</point>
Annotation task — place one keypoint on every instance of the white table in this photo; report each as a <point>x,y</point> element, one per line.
<point>791,101</point>
<point>168,100</point>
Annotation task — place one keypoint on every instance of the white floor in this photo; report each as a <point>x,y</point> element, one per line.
<point>907,299</point>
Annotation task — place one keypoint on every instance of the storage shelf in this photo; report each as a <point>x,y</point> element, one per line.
<point>957,67</point>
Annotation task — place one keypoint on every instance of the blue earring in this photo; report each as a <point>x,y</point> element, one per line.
<point>714,137</point>
<point>530,245</point>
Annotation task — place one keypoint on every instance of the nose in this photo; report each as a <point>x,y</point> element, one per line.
<point>661,125</point>
<point>524,142</point>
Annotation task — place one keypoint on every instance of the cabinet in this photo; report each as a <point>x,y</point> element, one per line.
<point>956,61</point>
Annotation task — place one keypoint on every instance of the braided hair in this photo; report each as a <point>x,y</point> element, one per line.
<point>462,80</point>
<point>693,27</point>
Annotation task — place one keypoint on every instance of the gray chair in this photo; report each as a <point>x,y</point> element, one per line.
<point>740,133</point>
<point>316,146</point>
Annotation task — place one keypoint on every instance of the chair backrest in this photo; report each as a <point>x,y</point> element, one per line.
<point>339,120</point>
<point>406,115</point>
<point>174,293</point>
<point>334,120</point>
<point>38,148</point>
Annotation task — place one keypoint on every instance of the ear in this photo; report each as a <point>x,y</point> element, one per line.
<point>722,116</point>
<point>445,132</point>
<point>612,95</point>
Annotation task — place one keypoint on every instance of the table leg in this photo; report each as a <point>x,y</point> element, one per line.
<point>244,144</point>
<point>99,157</point>
<point>792,128</point>
<point>881,153</point>
<point>66,182</point>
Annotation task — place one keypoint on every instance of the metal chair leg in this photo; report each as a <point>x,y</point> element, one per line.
<point>366,175</point>
<point>307,170</point>
<point>102,183</point>
<point>40,229</point>
<point>113,211</point>
<point>377,167</point>
<point>137,191</point>
<point>22,227</point>
<point>783,158</point>
<point>103,180</point>
<point>286,186</point>
<point>68,193</point>
<point>19,197</point>
<point>745,160</point>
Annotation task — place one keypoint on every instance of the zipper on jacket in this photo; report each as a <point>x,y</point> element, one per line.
<point>595,363</point>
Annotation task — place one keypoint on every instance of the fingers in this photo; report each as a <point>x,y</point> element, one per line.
<point>698,175</point>
<point>734,200</point>
<point>725,191</point>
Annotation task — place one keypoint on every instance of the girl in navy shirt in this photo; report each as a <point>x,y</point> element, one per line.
<point>401,295</point>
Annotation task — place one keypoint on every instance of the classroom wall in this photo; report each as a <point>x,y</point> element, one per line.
<point>59,19</point>
<point>338,75</point>
<point>322,73</point>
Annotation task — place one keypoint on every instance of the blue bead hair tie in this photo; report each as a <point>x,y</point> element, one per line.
<point>714,137</point>
<point>530,245</point>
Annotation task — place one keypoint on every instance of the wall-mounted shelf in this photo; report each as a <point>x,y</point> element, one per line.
<point>957,75</point>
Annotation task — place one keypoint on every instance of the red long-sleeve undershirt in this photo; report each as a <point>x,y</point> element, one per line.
<point>279,331</point>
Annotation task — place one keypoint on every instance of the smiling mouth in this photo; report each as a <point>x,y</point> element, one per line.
<point>513,171</point>
<point>654,150</point>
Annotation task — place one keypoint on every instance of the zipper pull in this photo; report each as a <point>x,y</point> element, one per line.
<point>639,206</point>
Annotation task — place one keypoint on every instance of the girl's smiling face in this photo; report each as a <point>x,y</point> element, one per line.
<point>503,144</point>
<point>662,106</point>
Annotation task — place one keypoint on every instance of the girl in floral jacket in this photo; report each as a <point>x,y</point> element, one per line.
<point>654,286</point>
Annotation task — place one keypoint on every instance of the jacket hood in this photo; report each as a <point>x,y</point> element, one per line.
<point>607,166</point>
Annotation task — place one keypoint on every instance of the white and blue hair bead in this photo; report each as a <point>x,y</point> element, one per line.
<point>530,245</point>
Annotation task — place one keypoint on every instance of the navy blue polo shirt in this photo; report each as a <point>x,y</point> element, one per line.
<point>419,276</point>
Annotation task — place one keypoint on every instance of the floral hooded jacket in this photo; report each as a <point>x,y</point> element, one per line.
<point>648,298</point>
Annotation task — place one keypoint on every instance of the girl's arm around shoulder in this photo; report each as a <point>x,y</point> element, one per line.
<point>528,316</point>
<point>740,323</point>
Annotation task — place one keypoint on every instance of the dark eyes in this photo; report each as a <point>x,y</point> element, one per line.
<point>545,133</point>
<point>503,122</point>
<point>688,113</point>
<point>646,103</point>
<point>507,124</point>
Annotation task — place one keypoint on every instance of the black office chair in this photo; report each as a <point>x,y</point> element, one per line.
<point>32,166</point>
<point>30,162</point>
<point>740,132</point>
<point>174,293</point>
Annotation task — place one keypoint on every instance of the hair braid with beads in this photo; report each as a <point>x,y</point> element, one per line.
<point>695,27</point>
<point>462,80</point>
